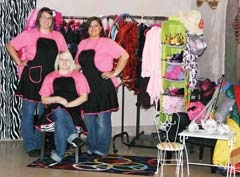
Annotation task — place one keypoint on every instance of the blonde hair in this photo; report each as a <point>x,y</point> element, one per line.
<point>65,55</point>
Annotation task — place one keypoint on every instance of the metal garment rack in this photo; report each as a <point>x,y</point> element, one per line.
<point>124,135</point>
<point>161,18</point>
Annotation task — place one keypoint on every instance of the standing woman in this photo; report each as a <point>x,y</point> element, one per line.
<point>42,45</point>
<point>96,54</point>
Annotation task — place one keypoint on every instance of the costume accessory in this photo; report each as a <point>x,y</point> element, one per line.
<point>192,21</point>
<point>197,44</point>
<point>114,73</point>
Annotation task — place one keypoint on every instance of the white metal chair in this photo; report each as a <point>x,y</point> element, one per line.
<point>234,159</point>
<point>167,130</point>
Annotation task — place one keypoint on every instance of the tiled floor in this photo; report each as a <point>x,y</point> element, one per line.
<point>13,161</point>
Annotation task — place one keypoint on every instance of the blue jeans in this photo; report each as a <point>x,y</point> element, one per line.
<point>31,136</point>
<point>64,131</point>
<point>99,132</point>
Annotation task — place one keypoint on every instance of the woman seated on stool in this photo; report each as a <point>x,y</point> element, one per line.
<point>63,91</point>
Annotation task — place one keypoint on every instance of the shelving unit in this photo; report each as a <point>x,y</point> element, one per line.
<point>173,76</point>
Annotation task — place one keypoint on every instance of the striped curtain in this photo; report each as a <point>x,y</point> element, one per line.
<point>12,20</point>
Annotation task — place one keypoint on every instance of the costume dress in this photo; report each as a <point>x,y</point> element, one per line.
<point>103,96</point>
<point>36,69</point>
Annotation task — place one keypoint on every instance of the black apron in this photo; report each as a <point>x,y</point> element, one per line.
<point>34,73</point>
<point>103,95</point>
<point>66,88</point>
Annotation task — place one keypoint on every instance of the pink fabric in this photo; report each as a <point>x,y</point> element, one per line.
<point>106,51</point>
<point>172,104</point>
<point>80,82</point>
<point>151,63</point>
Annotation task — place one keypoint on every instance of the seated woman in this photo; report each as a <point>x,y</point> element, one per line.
<point>63,91</point>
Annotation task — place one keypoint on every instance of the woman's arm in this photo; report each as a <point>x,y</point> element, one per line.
<point>14,55</point>
<point>78,101</point>
<point>54,99</point>
<point>122,61</point>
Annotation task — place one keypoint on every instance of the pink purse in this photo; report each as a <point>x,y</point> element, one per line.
<point>194,109</point>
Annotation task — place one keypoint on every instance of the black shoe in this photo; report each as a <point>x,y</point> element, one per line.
<point>34,153</point>
<point>78,142</point>
<point>50,162</point>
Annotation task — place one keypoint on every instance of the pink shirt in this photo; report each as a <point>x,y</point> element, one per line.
<point>28,40</point>
<point>80,83</point>
<point>106,50</point>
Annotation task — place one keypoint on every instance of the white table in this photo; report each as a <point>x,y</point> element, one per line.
<point>203,134</point>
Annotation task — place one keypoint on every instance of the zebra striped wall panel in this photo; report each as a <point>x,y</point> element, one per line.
<point>12,21</point>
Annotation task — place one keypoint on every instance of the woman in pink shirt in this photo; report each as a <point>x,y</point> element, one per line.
<point>63,92</point>
<point>96,54</point>
<point>42,45</point>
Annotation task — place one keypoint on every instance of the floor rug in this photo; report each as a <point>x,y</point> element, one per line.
<point>121,164</point>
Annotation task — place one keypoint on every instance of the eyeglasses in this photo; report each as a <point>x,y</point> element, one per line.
<point>46,18</point>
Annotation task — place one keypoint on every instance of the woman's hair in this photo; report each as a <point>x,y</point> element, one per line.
<point>88,23</point>
<point>65,55</point>
<point>47,10</point>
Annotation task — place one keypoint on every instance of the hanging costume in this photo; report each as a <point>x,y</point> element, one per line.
<point>36,69</point>
<point>103,96</point>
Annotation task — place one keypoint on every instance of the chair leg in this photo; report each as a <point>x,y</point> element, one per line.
<point>76,154</point>
<point>43,135</point>
<point>213,169</point>
<point>186,153</point>
<point>201,150</point>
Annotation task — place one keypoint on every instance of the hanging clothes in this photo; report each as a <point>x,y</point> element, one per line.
<point>151,65</point>
<point>127,37</point>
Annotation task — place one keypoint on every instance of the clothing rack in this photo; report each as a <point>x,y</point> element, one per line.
<point>123,133</point>
<point>161,18</point>
<point>75,17</point>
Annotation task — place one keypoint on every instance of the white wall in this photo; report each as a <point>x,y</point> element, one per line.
<point>214,26</point>
<point>107,7</point>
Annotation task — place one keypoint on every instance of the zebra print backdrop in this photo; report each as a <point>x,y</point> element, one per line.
<point>12,20</point>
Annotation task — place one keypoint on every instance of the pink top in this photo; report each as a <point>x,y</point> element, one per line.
<point>28,40</point>
<point>106,50</point>
<point>80,83</point>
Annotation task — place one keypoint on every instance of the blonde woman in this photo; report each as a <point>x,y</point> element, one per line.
<point>63,91</point>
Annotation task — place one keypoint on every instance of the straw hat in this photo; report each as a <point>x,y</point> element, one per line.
<point>192,21</point>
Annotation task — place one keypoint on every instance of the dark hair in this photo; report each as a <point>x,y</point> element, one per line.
<point>44,9</point>
<point>88,23</point>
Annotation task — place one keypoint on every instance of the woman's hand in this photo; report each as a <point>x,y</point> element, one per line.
<point>22,63</point>
<point>62,101</point>
<point>108,74</point>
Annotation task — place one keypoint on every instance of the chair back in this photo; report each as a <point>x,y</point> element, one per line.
<point>168,126</point>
